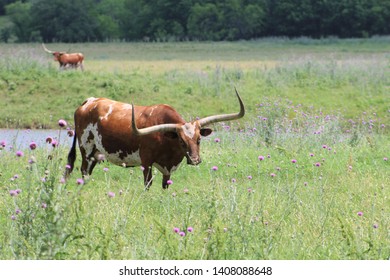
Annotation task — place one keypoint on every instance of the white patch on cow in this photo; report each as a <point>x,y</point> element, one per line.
<point>109,112</point>
<point>88,102</point>
<point>90,145</point>
<point>164,170</point>
<point>126,107</point>
<point>189,130</point>
<point>151,113</point>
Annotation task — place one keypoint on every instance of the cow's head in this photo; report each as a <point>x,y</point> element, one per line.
<point>190,133</point>
<point>56,55</point>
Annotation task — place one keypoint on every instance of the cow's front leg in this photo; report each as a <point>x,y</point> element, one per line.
<point>148,179</point>
<point>165,180</point>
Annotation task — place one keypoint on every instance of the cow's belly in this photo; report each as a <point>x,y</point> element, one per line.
<point>92,143</point>
<point>132,159</point>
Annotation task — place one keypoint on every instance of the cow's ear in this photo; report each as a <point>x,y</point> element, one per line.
<point>171,134</point>
<point>205,131</point>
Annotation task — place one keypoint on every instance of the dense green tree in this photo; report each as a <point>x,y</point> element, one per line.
<point>162,20</point>
<point>19,14</point>
<point>65,21</point>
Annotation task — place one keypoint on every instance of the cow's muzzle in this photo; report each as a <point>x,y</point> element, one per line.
<point>193,160</point>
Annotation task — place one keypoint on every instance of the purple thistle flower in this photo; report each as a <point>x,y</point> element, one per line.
<point>68,166</point>
<point>13,217</point>
<point>182,233</point>
<point>318,164</point>
<point>62,123</point>
<point>190,229</point>
<point>360,213</point>
<point>19,154</point>
<point>49,139</point>
<point>70,133</point>
<point>261,158</point>
<point>80,181</point>
<point>105,169</point>
<point>169,182</point>
<point>217,140</point>
<point>214,168</point>
<point>324,146</point>
<point>176,230</point>
<point>13,193</point>
<point>234,180</point>
<point>272,174</point>
<point>33,145</point>
<point>2,144</point>
<point>294,161</point>
<point>18,211</point>
<point>375,226</point>
<point>43,205</point>
<point>250,177</point>
<point>111,194</point>
<point>385,158</point>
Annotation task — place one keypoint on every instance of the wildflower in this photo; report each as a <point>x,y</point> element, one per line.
<point>190,229</point>
<point>2,144</point>
<point>32,160</point>
<point>305,184</point>
<point>360,213</point>
<point>375,226</point>
<point>324,146</point>
<point>70,133</point>
<point>68,166</point>
<point>214,168</point>
<point>225,229</point>
<point>268,156</point>
<point>80,181</point>
<point>18,191</point>
<point>111,194</point>
<point>294,161</point>
<point>234,180</point>
<point>120,192</point>
<point>62,180</point>
<point>169,182</point>
<point>272,174</point>
<point>176,230</point>
<point>261,158</point>
<point>278,168</point>
<point>49,139</point>
<point>105,169</point>
<point>142,168</point>
<point>182,233</point>
<point>33,145</point>
<point>19,154</point>
<point>101,157</point>
<point>173,194</point>
<point>318,164</point>
<point>311,154</point>
<point>13,193</point>
<point>217,140</point>
<point>185,190</point>
<point>385,158</point>
<point>62,123</point>
<point>250,177</point>
<point>18,211</point>
<point>249,190</point>
<point>13,218</point>
<point>54,143</point>
<point>43,205</point>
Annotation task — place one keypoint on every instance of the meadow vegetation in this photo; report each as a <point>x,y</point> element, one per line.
<point>304,175</point>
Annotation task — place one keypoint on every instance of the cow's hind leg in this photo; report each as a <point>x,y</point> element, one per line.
<point>88,163</point>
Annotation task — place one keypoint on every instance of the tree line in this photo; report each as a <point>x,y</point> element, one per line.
<point>178,20</point>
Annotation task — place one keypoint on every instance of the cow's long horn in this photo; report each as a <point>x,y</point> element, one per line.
<point>45,49</point>
<point>224,117</point>
<point>151,129</point>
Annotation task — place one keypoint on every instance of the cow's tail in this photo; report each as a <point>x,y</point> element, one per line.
<point>71,157</point>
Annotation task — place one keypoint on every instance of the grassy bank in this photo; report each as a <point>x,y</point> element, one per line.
<point>198,78</point>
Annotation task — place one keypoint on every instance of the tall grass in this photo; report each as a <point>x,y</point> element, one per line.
<point>276,188</point>
<point>303,176</point>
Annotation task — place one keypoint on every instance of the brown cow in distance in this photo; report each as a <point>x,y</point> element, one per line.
<point>72,60</point>
<point>146,136</point>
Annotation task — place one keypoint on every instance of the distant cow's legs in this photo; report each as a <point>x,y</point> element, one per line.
<point>148,179</point>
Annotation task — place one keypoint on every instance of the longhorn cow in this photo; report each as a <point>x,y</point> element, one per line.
<point>146,136</point>
<point>73,60</point>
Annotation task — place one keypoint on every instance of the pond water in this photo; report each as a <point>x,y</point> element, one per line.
<point>20,139</point>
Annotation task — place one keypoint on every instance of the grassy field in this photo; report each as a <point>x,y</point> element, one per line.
<point>304,175</point>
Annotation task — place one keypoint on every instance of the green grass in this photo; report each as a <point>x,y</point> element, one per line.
<point>325,107</point>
